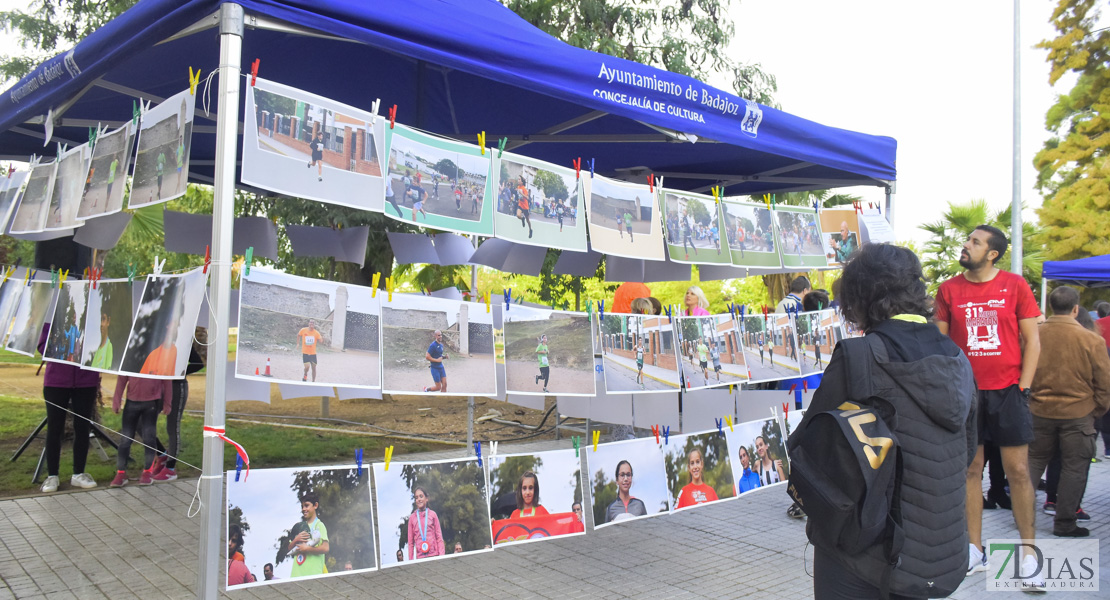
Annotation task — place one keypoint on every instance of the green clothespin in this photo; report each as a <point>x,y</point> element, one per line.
<point>53,277</point>
<point>131,271</point>
<point>136,112</point>
<point>247,261</point>
<point>576,442</point>
<point>590,308</point>
<point>92,135</point>
<point>501,146</point>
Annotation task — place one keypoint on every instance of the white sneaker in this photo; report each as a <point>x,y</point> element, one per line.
<point>1034,584</point>
<point>976,561</point>
<point>83,481</point>
<point>50,485</point>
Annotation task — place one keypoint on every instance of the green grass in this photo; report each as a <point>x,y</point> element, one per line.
<point>268,447</point>
<point>12,357</point>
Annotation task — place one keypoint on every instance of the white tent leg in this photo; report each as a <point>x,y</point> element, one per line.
<point>1044,295</point>
<point>223,214</point>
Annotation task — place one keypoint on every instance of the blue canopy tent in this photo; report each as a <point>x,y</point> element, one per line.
<point>1092,272</point>
<point>453,67</point>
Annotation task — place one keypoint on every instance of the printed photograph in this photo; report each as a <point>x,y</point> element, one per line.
<point>519,512</point>
<point>548,352</point>
<point>10,293</point>
<point>9,196</point>
<point>67,327</point>
<point>286,524</point>
<point>799,237</point>
<point>750,233</point>
<point>841,235</point>
<point>639,353</point>
<point>770,347</point>
<point>296,329</point>
<point>30,216</point>
<point>107,324</point>
<point>160,339</point>
<point>709,351</point>
<point>437,182</point>
<point>538,203</point>
<point>627,481</point>
<point>162,159</point>
<point>69,183</point>
<point>307,146</point>
<point>622,218</point>
<point>431,510</point>
<point>694,232</point>
<point>107,179</point>
<point>698,469</point>
<point>429,342</point>
<point>758,453</point>
<point>36,304</point>
<point>818,333</point>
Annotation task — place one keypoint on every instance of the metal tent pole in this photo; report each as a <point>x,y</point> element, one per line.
<point>223,213</point>
<point>1016,249</point>
<point>1044,294</point>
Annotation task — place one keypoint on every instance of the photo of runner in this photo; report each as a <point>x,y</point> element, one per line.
<point>840,232</point>
<point>699,470</point>
<point>107,325</point>
<point>424,508</point>
<point>301,523</point>
<point>437,346</point>
<point>818,332</point>
<point>639,353</point>
<point>518,509</point>
<point>537,203</point>
<point>108,168</point>
<point>710,351</point>
<point>628,481</point>
<point>750,233</point>
<point>36,304</point>
<point>799,237</point>
<point>67,327</point>
<point>162,334</point>
<point>693,229</point>
<point>622,218</point>
<point>297,329</point>
<point>10,189</point>
<point>438,182</point>
<point>69,183</point>
<point>10,293</point>
<point>30,215</point>
<point>162,159</point>
<point>548,352</point>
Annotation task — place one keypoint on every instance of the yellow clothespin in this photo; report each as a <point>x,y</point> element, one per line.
<point>716,194</point>
<point>389,287</point>
<point>487,301</point>
<point>597,437</point>
<point>388,456</point>
<point>27,276</point>
<point>7,273</point>
<point>62,277</point>
<point>193,81</point>
<point>730,388</point>
<point>767,200</point>
<point>728,419</point>
<point>482,142</point>
<point>374,285</point>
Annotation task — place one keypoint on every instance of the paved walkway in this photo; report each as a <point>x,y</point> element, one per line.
<point>139,543</point>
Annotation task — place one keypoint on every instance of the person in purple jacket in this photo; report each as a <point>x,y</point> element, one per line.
<point>67,388</point>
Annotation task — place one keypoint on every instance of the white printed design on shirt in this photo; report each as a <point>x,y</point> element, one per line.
<point>982,326</point>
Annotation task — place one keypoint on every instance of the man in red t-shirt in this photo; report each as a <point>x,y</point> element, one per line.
<point>1102,309</point>
<point>989,313</point>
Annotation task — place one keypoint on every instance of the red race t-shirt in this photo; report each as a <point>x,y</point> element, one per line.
<point>1104,329</point>
<point>983,320</point>
<point>695,494</point>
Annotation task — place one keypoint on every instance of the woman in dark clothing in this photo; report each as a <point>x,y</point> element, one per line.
<point>67,387</point>
<point>924,377</point>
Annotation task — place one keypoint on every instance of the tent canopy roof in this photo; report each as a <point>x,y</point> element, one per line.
<point>453,67</point>
<point>1093,271</point>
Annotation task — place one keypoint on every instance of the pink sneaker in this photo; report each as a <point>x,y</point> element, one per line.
<point>158,464</point>
<point>164,475</point>
<point>146,478</point>
<point>119,480</point>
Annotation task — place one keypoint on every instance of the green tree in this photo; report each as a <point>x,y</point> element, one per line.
<point>447,167</point>
<point>235,517</point>
<point>552,185</point>
<point>941,255</point>
<point>696,209</point>
<point>1073,168</point>
<point>605,492</point>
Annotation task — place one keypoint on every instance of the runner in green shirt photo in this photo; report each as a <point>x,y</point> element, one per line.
<point>310,547</point>
<point>703,358</point>
<point>102,358</point>
<point>545,367</point>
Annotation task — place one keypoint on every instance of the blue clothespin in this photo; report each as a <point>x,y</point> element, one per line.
<point>668,309</point>
<point>591,168</point>
<point>508,294</point>
<point>742,307</point>
<point>358,460</point>
<point>238,466</point>
<point>666,435</point>
<point>577,440</point>
<point>600,309</point>
<point>719,423</point>
<point>478,452</point>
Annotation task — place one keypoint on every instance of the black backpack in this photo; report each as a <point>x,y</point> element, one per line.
<point>846,474</point>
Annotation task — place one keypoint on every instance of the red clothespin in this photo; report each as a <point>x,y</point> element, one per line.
<point>793,387</point>
<point>96,276</point>
<point>785,409</point>
<point>11,169</point>
<point>207,258</point>
<point>805,386</point>
<point>651,182</point>
<point>577,167</point>
<point>655,430</point>
<point>254,71</point>
<point>392,116</point>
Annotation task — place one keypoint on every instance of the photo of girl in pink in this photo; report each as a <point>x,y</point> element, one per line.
<point>425,536</point>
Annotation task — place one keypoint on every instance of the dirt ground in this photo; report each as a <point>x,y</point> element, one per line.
<point>521,376</point>
<point>441,417</point>
<point>473,374</point>
<point>352,367</point>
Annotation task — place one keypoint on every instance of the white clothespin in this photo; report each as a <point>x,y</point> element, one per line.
<point>158,265</point>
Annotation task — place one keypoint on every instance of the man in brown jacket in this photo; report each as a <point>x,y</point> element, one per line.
<point>1071,388</point>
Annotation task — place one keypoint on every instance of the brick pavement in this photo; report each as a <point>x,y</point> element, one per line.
<point>139,543</point>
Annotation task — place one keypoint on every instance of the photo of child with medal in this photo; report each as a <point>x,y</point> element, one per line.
<point>424,523</point>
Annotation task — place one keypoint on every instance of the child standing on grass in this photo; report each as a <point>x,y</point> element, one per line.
<point>144,398</point>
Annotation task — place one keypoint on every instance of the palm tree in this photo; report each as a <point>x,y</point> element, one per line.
<point>941,254</point>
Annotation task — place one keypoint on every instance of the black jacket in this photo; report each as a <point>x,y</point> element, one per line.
<point>929,382</point>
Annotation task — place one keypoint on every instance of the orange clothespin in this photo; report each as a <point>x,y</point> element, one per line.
<point>254,71</point>
<point>577,167</point>
<point>207,258</point>
<point>482,142</point>
<point>655,430</point>
<point>194,79</point>
<point>392,116</point>
<point>388,456</point>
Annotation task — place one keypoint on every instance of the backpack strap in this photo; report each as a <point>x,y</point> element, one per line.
<point>896,536</point>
